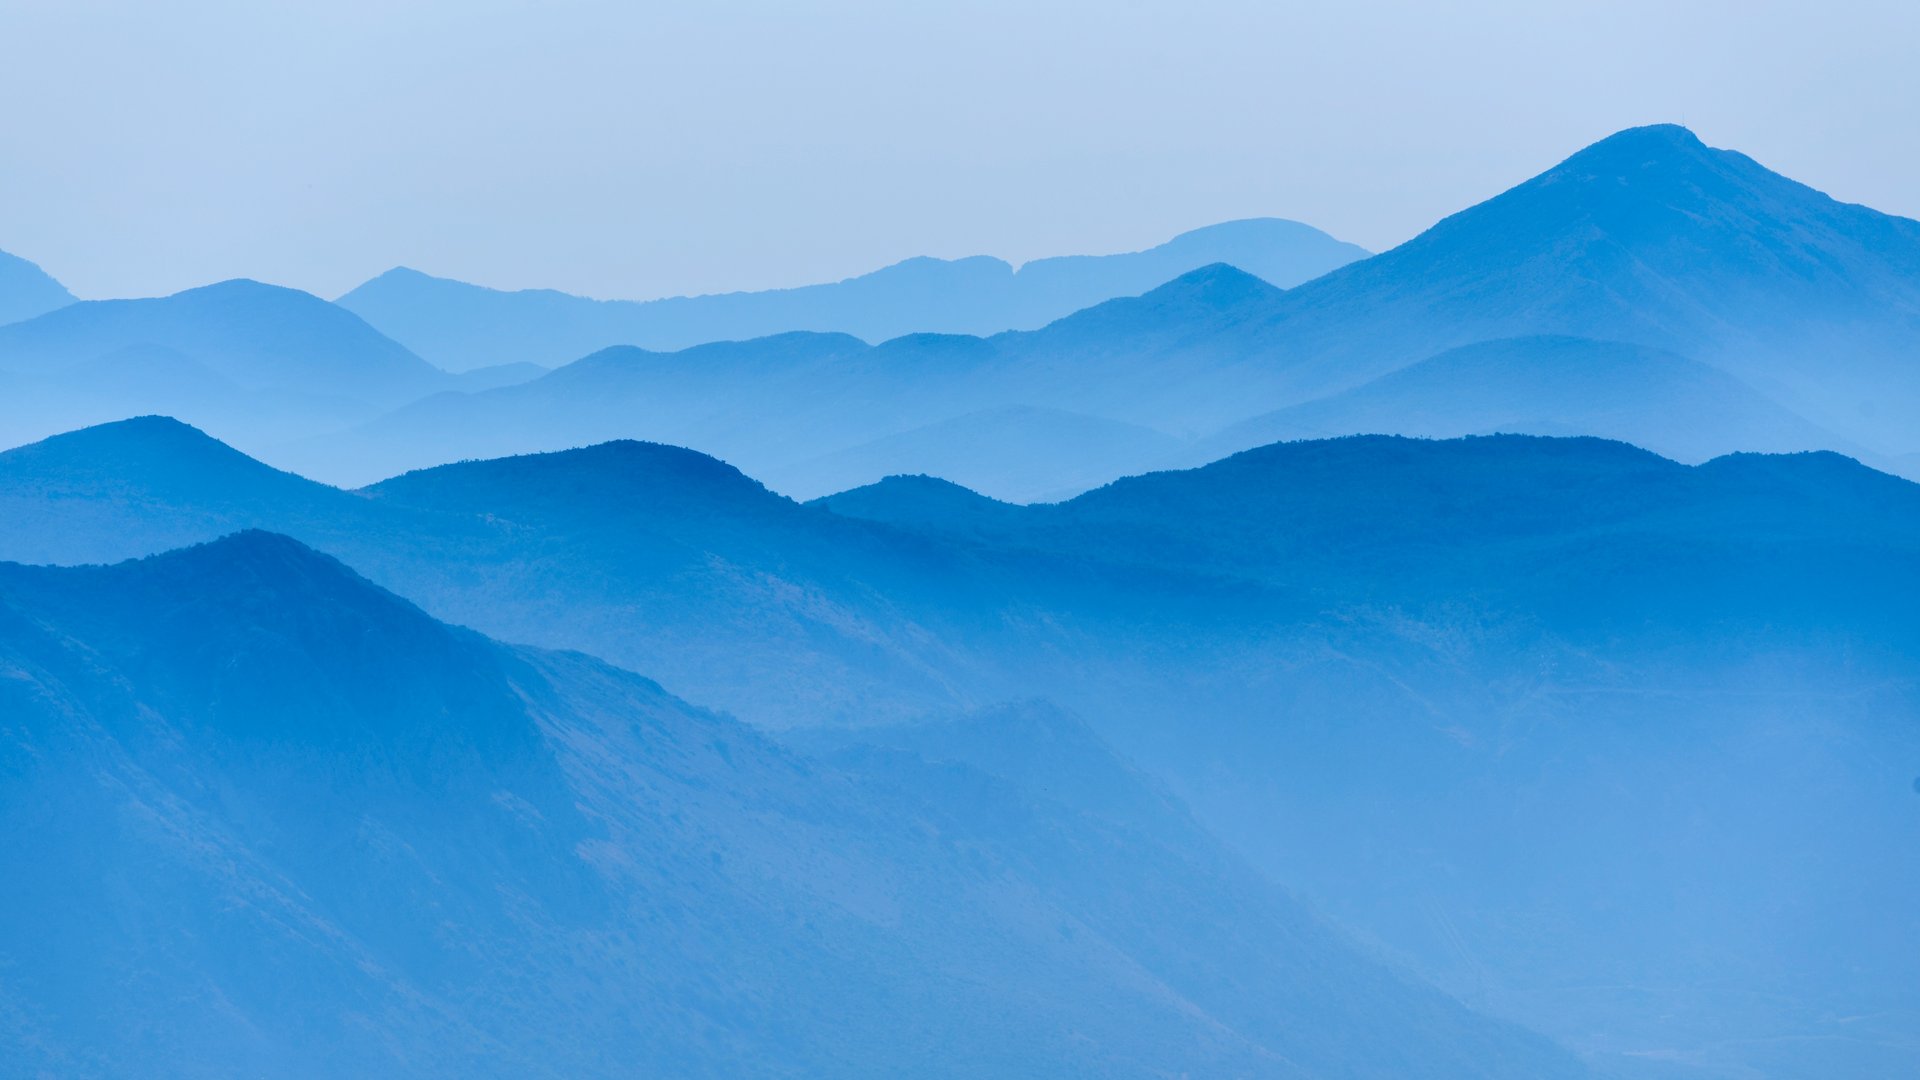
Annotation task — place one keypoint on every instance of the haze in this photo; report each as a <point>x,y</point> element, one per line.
<point>615,150</point>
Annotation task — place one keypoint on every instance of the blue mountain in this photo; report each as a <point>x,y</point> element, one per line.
<point>460,326</point>
<point>257,362</point>
<point>1649,237</point>
<point>1352,658</point>
<point>1781,318</point>
<point>261,816</point>
<point>26,290</point>
<point>813,411</point>
<point>1677,407</point>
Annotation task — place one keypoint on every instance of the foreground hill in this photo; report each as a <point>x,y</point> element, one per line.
<point>261,816</point>
<point>1606,744</point>
<point>460,326</point>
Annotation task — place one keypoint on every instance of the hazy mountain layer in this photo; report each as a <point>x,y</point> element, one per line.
<point>1724,308</point>
<point>1510,706</point>
<point>1676,407</point>
<point>262,363</point>
<point>261,816</point>
<point>461,326</point>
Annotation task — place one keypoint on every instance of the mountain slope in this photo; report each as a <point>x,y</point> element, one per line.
<point>461,326</point>
<point>27,291</point>
<point>262,816</point>
<point>1353,658</point>
<point>1649,237</point>
<point>772,405</point>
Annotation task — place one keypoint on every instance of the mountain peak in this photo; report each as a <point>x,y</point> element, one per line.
<point>1216,280</point>
<point>624,471</point>
<point>1663,138</point>
<point>139,438</point>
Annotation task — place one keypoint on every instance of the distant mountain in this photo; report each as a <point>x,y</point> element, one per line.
<point>257,336</point>
<point>460,326</point>
<point>257,362</point>
<point>26,290</point>
<point>1676,407</point>
<point>261,816</point>
<point>813,411</point>
<point>1546,718</point>
<point>1804,312</point>
<point>1650,237</point>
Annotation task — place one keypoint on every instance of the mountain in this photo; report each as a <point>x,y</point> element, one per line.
<point>1607,745</point>
<point>256,361</point>
<point>1585,733</point>
<point>803,409</point>
<point>261,816</point>
<point>1649,237</point>
<point>528,546</point>
<point>460,326</point>
<point>27,291</point>
<point>1676,407</point>
<point>1804,312</point>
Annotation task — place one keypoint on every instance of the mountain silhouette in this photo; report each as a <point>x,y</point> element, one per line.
<point>1651,237</point>
<point>342,838</point>
<point>1382,639</point>
<point>27,291</point>
<point>1789,317</point>
<point>258,363</point>
<point>801,409</point>
<point>461,326</point>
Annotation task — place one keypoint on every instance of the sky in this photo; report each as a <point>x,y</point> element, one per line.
<point>649,149</point>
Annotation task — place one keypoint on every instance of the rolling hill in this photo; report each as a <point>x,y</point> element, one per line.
<point>261,815</point>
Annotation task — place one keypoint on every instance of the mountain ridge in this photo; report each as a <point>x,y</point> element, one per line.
<point>27,291</point>
<point>975,295</point>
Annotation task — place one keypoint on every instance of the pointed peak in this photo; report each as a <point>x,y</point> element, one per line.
<point>1637,151</point>
<point>142,434</point>
<point>243,288</point>
<point>1216,284</point>
<point>899,487</point>
<point>154,453</point>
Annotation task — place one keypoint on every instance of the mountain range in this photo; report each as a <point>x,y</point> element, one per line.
<point>1648,288</point>
<point>1379,668</point>
<point>1502,641</point>
<point>460,326</point>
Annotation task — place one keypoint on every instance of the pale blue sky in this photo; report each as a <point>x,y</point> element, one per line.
<point>623,149</point>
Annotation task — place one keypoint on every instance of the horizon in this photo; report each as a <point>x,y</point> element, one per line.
<point>772,165</point>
